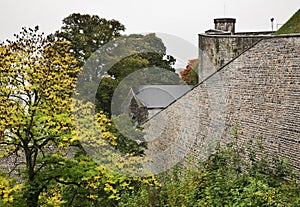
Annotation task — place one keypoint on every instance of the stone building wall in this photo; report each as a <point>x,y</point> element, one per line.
<point>216,50</point>
<point>260,90</point>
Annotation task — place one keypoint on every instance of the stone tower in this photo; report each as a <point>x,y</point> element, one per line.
<point>225,24</point>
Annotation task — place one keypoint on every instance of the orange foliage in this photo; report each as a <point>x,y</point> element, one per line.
<point>189,74</point>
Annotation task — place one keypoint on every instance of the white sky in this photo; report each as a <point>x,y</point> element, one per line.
<point>184,19</point>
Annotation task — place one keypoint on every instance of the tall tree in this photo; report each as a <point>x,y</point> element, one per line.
<point>98,45</point>
<point>107,58</point>
<point>37,127</point>
<point>36,84</point>
<point>145,51</point>
<point>88,32</point>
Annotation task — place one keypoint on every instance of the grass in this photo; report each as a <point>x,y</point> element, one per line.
<point>291,26</point>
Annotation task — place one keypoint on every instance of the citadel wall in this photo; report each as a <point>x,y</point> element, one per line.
<point>259,88</point>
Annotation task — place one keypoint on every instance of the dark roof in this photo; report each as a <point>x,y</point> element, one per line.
<point>216,31</point>
<point>159,96</point>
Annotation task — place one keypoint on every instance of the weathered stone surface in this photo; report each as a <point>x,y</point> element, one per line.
<point>260,89</point>
<point>225,24</point>
<point>216,50</point>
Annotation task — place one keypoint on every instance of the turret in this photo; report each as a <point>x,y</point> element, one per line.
<point>225,24</point>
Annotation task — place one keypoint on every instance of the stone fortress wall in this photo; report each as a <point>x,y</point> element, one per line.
<point>257,85</point>
<point>220,49</point>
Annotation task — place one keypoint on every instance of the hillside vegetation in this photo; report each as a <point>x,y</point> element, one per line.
<point>291,26</point>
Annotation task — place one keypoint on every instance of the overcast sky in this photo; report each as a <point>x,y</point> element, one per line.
<point>184,19</point>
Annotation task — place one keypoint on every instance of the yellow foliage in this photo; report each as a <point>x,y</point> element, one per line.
<point>37,84</point>
<point>51,198</point>
<point>8,190</point>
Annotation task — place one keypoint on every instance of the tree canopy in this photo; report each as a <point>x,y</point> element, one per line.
<point>144,51</point>
<point>98,45</point>
<point>87,32</point>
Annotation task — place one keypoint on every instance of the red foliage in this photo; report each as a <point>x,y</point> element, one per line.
<point>189,74</point>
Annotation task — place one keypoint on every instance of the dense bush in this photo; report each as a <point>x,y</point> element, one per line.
<point>226,178</point>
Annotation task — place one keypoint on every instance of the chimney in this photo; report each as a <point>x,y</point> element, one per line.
<point>225,24</point>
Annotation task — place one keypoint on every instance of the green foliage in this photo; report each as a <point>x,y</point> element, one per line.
<point>97,44</point>
<point>37,82</point>
<point>89,36</point>
<point>291,26</point>
<point>136,60</point>
<point>122,68</point>
<point>144,51</point>
<point>87,33</point>
<point>226,178</point>
<point>38,117</point>
<point>104,93</point>
<point>130,139</point>
<point>10,192</point>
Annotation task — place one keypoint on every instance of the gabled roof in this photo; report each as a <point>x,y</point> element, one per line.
<point>159,96</point>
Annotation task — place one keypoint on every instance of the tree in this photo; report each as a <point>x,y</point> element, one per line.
<point>135,144</point>
<point>103,98</point>
<point>132,54</point>
<point>87,33</point>
<point>98,45</point>
<point>100,181</point>
<point>36,84</point>
<point>107,58</point>
<point>37,127</point>
<point>189,75</point>
<point>144,51</point>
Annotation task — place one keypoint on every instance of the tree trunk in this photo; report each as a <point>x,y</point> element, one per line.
<point>33,189</point>
<point>32,197</point>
